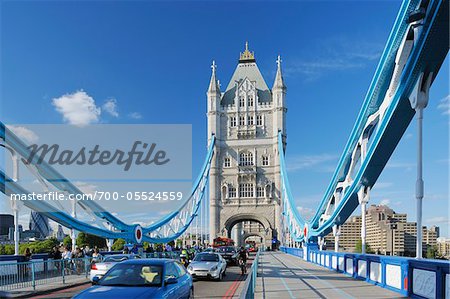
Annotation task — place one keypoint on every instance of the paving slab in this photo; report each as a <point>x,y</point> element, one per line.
<point>283,276</point>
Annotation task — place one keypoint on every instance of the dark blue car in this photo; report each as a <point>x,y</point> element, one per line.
<point>143,278</point>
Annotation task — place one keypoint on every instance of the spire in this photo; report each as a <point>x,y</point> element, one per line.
<point>213,84</point>
<point>279,82</point>
<point>247,56</point>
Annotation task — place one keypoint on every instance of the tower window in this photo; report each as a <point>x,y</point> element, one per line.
<point>241,102</point>
<point>227,162</point>
<point>242,120</point>
<point>260,191</point>
<point>250,101</point>
<point>233,121</point>
<point>246,159</point>
<point>246,190</point>
<point>231,192</point>
<point>250,120</point>
<point>259,120</point>
<point>265,160</point>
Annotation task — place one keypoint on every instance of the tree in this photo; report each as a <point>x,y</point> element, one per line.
<point>432,252</point>
<point>84,239</point>
<point>67,241</point>
<point>118,244</point>
<point>358,248</point>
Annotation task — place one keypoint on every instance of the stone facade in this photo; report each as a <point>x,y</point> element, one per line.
<point>245,175</point>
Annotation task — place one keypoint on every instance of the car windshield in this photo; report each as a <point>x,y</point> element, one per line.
<point>226,249</point>
<point>133,275</point>
<point>206,257</point>
<point>116,258</point>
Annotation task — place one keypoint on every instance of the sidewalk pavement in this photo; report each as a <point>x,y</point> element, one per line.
<point>51,286</point>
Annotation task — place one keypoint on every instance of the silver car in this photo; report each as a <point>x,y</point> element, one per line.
<point>208,265</point>
<point>100,268</point>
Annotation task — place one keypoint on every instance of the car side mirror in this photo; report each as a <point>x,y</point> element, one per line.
<point>171,280</point>
<point>95,280</point>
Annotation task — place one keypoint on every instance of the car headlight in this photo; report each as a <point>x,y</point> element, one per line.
<point>214,268</point>
<point>190,268</point>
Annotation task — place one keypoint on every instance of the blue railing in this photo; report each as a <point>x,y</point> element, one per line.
<point>415,278</point>
<point>248,291</point>
<point>20,275</point>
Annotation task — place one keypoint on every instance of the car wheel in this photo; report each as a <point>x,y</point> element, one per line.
<point>220,276</point>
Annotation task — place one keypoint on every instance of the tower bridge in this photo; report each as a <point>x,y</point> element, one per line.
<point>249,191</point>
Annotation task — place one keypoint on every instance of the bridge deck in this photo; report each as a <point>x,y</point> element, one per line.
<point>285,276</point>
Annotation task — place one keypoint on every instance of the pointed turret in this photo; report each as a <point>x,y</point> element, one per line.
<point>279,82</point>
<point>213,84</point>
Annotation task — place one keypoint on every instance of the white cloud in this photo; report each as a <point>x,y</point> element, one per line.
<point>332,55</point>
<point>135,115</point>
<point>110,106</point>
<point>86,188</point>
<point>78,108</point>
<point>382,185</point>
<point>444,105</point>
<point>306,213</point>
<point>438,220</point>
<point>385,202</point>
<point>309,161</point>
<point>402,165</point>
<point>24,133</point>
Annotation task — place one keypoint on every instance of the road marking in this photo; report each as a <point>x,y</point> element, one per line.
<point>286,287</point>
<point>232,289</point>
<point>326,283</point>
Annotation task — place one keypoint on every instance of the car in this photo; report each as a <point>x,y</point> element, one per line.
<point>229,253</point>
<point>100,268</point>
<point>210,249</point>
<point>142,278</point>
<point>208,265</point>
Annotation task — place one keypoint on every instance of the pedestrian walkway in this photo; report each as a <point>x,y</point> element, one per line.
<point>70,281</point>
<point>285,276</point>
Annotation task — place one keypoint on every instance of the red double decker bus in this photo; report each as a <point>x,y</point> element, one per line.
<point>222,241</point>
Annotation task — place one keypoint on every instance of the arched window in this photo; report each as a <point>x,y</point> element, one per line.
<point>227,162</point>
<point>259,120</point>
<point>246,190</point>
<point>231,192</point>
<point>241,102</point>
<point>233,121</point>
<point>260,191</point>
<point>246,159</point>
<point>250,101</point>
<point>242,120</point>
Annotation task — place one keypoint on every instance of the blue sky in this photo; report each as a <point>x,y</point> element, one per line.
<point>149,62</point>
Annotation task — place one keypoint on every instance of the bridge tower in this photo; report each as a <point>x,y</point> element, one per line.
<point>244,186</point>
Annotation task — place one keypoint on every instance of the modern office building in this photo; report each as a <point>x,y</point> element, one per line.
<point>387,233</point>
<point>443,247</point>
<point>39,223</point>
<point>6,221</point>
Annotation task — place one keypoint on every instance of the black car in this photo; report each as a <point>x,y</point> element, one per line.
<point>229,253</point>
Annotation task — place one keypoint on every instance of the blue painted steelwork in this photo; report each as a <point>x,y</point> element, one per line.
<point>406,265</point>
<point>393,112</point>
<point>165,230</point>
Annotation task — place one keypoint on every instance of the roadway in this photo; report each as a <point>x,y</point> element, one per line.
<point>227,288</point>
<point>285,276</point>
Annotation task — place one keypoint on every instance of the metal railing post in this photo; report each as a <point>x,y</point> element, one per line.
<point>63,271</point>
<point>33,280</point>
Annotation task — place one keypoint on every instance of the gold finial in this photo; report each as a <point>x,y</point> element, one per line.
<point>247,56</point>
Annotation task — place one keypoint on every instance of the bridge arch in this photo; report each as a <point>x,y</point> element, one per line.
<point>235,219</point>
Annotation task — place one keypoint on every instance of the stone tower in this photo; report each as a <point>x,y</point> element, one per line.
<point>244,184</point>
